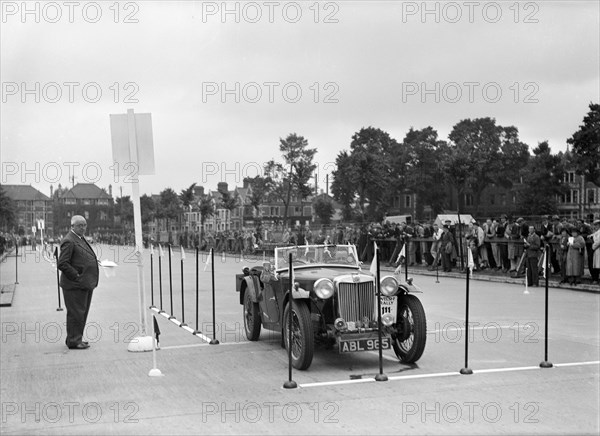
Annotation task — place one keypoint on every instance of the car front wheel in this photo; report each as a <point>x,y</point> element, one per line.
<point>302,335</point>
<point>251,318</point>
<point>411,329</point>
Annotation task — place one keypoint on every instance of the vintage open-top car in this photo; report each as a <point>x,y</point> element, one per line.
<point>335,302</point>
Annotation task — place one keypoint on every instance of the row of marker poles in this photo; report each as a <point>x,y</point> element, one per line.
<point>171,316</point>
<point>545,363</point>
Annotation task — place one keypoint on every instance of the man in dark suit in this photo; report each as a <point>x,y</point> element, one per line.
<point>79,267</point>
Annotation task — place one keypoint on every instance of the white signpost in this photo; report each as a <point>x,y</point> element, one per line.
<point>133,155</point>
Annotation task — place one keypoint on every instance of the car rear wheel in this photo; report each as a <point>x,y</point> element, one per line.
<point>302,336</point>
<point>411,326</point>
<point>251,318</point>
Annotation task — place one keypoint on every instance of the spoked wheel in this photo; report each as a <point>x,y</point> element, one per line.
<point>251,318</point>
<point>302,336</point>
<point>411,326</point>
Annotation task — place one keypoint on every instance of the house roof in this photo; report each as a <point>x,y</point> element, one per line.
<point>24,193</point>
<point>86,190</point>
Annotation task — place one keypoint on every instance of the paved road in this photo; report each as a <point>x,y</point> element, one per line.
<point>236,386</point>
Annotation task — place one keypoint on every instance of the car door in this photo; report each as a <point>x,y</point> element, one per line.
<point>268,304</point>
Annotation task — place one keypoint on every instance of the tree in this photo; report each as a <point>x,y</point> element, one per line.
<point>423,161</point>
<point>586,145</point>
<point>342,188</point>
<point>168,208</point>
<point>7,211</point>
<point>124,210</point>
<point>260,191</point>
<point>365,176</point>
<point>187,196</point>
<point>541,182</point>
<point>324,209</point>
<point>482,153</point>
<point>292,178</point>
<point>148,208</point>
<point>206,207</point>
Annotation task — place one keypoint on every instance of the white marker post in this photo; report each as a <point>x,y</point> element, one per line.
<point>133,149</point>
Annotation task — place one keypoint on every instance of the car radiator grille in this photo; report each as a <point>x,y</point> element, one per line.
<point>356,301</point>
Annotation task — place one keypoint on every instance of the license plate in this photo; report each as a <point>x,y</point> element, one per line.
<point>364,344</point>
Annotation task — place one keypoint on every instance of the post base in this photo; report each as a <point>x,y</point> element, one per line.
<point>59,309</point>
<point>466,371</point>
<point>546,364</point>
<point>196,332</point>
<point>214,342</point>
<point>171,317</point>
<point>183,324</point>
<point>290,384</point>
<point>381,377</point>
<point>141,343</point>
<point>155,372</point>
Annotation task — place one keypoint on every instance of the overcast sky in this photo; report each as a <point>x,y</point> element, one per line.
<point>322,70</point>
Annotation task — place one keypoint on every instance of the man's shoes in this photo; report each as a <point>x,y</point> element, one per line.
<point>85,342</point>
<point>80,346</point>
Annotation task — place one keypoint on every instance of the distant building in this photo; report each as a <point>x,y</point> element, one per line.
<point>85,199</point>
<point>31,206</point>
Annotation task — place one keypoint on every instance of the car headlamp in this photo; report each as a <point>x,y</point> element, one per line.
<point>324,288</point>
<point>389,286</point>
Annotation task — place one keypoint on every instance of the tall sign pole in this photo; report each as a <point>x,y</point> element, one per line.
<point>133,148</point>
<point>137,219</point>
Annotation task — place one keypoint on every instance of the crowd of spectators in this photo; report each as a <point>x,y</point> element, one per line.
<point>507,245</point>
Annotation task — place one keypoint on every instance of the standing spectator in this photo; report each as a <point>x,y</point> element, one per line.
<point>548,235</point>
<point>532,247</point>
<point>489,228</point>
<point>435,246</point>
<point>586,233</point>
<point>285,238</point>
<point>595,271</point>
<point>447,248</point>
<point>79,277</point>
<point>576,245</point>
<point>561,252</point>
<point>502,244</point>
<point>411,249</point>
<point>481,249</point>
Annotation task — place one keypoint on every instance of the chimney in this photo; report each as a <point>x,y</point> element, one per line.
<point>110,190</point>
<point>199,191</point>
<point>222,187</point>
<point>51,191</point>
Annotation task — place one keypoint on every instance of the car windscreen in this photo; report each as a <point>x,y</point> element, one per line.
<point>316,255</point>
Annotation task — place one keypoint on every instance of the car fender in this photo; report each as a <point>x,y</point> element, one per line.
<point>406,288</point>
<point>252,285</point>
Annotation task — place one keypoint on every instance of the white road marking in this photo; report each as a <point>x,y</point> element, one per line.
<point>441,374</point>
